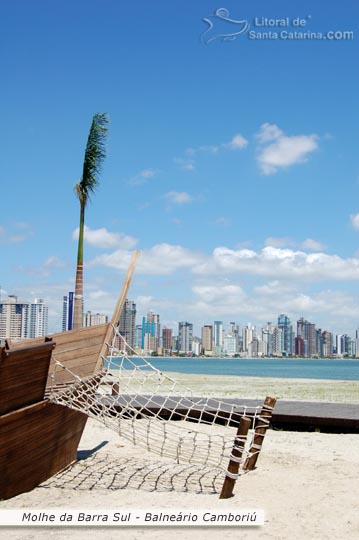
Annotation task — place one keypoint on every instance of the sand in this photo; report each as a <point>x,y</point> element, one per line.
<point>306,484</point>
<point>331,391</point>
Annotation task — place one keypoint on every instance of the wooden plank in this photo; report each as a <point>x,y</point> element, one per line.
<point>118,309</point>
<point>81,333</point>
<point>287,415</point>
<point>260,428</point>
<point>233,466</point>
<point>87,349</point>
<point>65,337</point>
<point>71,350</point>
<point>23,375</point>
<point>81,370</point>
<point>36,442</point>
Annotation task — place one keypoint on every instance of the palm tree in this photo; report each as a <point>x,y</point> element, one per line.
<point>94,156</point>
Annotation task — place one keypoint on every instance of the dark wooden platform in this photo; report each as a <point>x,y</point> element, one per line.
<point>313,416</point>
<point>287,415</point>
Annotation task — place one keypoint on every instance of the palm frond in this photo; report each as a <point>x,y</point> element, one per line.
<point>95,154</point>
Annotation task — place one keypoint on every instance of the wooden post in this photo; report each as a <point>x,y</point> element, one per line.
<point>260,429</point>
<point>118,309</point>
<point>237,451</point>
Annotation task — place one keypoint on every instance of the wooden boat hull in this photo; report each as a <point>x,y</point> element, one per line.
<point>77,350</point>
<point>37,438</point>
<point>36,442</point>
<point>17,390</point>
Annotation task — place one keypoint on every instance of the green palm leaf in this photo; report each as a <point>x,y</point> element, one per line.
<point>95,154</point>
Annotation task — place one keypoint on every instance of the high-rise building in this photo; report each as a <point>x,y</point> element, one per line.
<point>68,311</point>
<point>345,345</point>
<point>267,333</point>
<point>93,319</point>
<point>218,336</point>
<point>14,318</point>
<point>234,331</point>
<point>319,342</point>
<point>286,345</point>
<point>327,343</point>
<point>39,314</point>
<point>138,336</point>
<point>276,341</point>
<point>230,345</point>
<point>307,332</point>
<point>185,336</point>
<point>196,346</point>
<point>249,333</point>
<point>167,338</point>
<point>357,342</point>
<point>207,339</point>
<point>300,346</point>
<point>151,331</point>
<point>127,324</point>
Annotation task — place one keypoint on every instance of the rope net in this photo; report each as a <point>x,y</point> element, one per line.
<point>138,401</point>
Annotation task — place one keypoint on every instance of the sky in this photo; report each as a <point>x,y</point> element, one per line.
<point>231,159</point>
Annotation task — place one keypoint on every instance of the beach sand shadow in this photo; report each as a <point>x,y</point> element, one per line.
<point>108,472</point>
<point>85,454</point>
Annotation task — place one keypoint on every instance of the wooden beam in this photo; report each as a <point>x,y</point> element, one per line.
<point>233,466</point>
<point>118,309</point>
<point>260,428</point>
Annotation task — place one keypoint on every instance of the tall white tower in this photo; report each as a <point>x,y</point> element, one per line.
<point>14,318</point>
<point>39,315</point>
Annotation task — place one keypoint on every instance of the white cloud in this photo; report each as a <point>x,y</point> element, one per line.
<point>275,288</point>
<point>270,262</point>
<point>13,237</point>
<point>55,262</point>
<point>230,294</point>
<point>278,263</point>
<point>161,259</point>
<point>185,164</point>
<point>312,245</point>
<point>210,148</point>
<point>355,221</point>
<point>278,151</point>
<point>269,132</point>
<point>103,238</point>
<point>143,177</point>
<point>329,309</point>
<point>222,221</point>
<point>178,197</point>
<point>237,143</point>
<point>310,304</point>
<point>285,241</point>
<point>98,294</point>
<point>280,241</point>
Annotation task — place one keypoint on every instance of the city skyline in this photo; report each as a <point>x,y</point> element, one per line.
<point>231,165</point>
<point>20,320</point>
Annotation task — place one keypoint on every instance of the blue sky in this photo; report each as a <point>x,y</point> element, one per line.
<point>231,164</point>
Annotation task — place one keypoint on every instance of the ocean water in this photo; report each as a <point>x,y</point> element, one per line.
<point>346,370</point>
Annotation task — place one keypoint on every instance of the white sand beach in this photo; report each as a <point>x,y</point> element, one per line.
<point>225,386</point>
<point>306,483</point>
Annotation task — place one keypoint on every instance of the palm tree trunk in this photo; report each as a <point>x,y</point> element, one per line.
<point>78,304</point>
